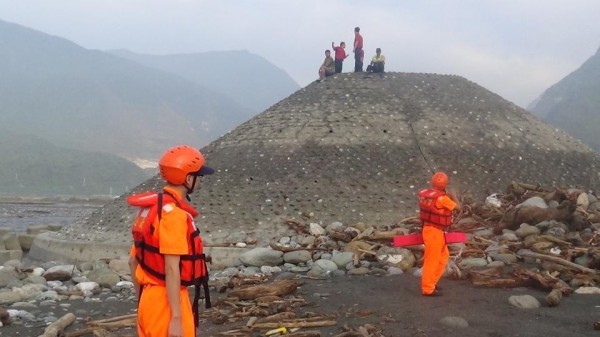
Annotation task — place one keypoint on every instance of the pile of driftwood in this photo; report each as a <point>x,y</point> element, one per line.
<point>544,260</point>
<point>271,309</point>
<point>257,306</point>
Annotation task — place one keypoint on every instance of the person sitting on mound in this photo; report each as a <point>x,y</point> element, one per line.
<point>377,63</point>
<point>328,67</point>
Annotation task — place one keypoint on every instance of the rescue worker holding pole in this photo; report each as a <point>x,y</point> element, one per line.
<point>167,255</point>
<point>436,208</point>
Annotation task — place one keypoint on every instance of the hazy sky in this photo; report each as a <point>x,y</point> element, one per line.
<point>516,48</point>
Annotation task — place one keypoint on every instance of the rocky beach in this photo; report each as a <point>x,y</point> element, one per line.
<point>349,280</point>
<point>368,305</point>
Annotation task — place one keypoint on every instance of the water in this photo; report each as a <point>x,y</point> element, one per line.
<point>19,216</point>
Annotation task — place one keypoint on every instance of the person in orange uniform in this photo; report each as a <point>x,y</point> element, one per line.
<point>436,208</point>
<point>167,247</point>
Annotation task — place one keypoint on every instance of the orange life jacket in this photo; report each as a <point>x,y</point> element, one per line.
<point>428,210</point>
<point>192,266</point>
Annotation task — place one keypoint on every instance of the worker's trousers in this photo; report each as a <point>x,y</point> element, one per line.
<point>436,257</point>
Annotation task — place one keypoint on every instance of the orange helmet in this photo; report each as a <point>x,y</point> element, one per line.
<point>439,180</point>
<point>179,161</point>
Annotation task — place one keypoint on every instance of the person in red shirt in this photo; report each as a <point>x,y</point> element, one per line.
<point>340,56</point>
<point>359,53</point>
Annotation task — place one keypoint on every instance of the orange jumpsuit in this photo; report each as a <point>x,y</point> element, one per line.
<point>436,251</point>
<point>154,312</point>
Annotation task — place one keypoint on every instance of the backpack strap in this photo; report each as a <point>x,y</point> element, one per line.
<point>160,206</point>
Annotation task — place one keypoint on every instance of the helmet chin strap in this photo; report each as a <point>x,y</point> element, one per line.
<point>190,189</point>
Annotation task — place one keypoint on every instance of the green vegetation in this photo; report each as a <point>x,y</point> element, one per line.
<point>31,166</point>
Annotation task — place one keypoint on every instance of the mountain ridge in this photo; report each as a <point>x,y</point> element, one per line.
<point>573,103</point>
<point>99,104</point>
<point>254,74</point>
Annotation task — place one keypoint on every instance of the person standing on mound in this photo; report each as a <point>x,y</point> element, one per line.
<point>340,56</point>
<point>436,208</point>
<point>359,53</point>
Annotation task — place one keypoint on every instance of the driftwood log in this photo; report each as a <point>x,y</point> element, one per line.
<point>514,217</point>
<point>556,259</point>
<point>57,327</point>
<point>294,324</point>
<point>277,288</point>
<point>305,334</point>
<point>103,326</point>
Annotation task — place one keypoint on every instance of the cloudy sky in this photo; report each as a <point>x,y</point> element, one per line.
<point>516,48</point>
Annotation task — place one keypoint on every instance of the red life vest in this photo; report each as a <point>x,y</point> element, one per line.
<point>428,210</point>
<point>192,266</point>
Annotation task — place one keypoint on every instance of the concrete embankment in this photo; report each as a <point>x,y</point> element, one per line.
<point>47,247</point>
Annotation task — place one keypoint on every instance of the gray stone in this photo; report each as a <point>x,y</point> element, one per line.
<point>524,301</point>
<point>13,264</point>
<point>506,258</point>
<point>26,240</point>
<point>454,322</point>
<point>333,227</point>
<point>533,202</point>
<point>326,265</point>
<point>583,260</point>
<point>396,257</point>
<point>471,262</point>
<point>60,272</point>
<point>342,259</point>
<point>308,241</point>
<point>359,271</point>
<point>11,241</point>
<point>395,271</point>
<point>297,256</point>
<point>104,277</point>
<point>8,297</point>
<point>261,256</point>
<point>508,235</point>
<point>30,291</point>
<point>526,230</point>
<point>299,269</point>
<point>9,278</point>
<point>7,255</point>
<point>495,264</point>
<point>119,266</point>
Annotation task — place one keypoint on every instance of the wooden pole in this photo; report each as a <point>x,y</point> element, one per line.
<point>58,326</point>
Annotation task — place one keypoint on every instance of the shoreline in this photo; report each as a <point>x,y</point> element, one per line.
<point>56,200</point>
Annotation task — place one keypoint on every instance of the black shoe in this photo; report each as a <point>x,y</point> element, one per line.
<point>435,293</point>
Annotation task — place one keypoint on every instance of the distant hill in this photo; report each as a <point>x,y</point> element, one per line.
<point>30,166</point>
<point>573,103</point>
<point>245,77</point>
<point>93,101</point>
